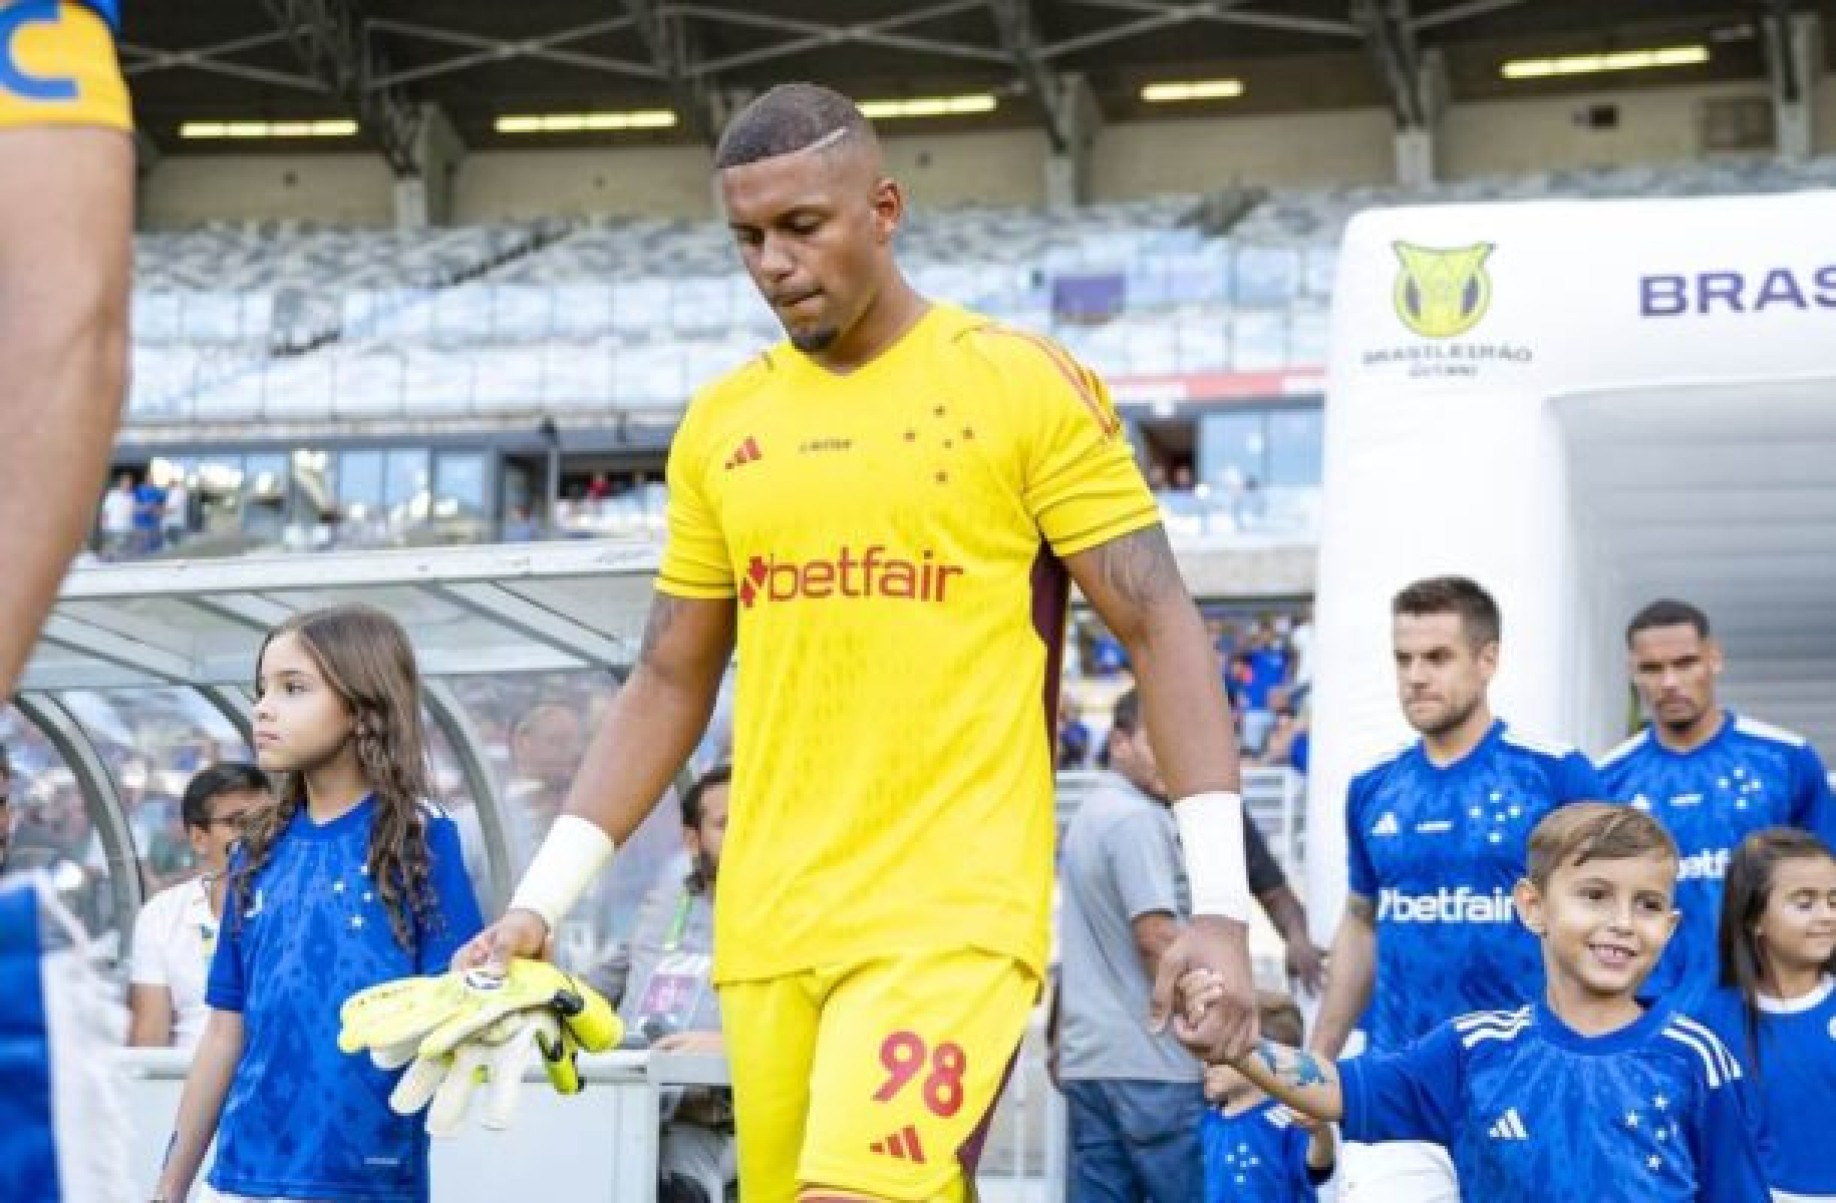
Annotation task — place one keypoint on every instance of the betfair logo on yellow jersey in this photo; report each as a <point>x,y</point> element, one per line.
<point>1442,292</point>
<point>874,572</point>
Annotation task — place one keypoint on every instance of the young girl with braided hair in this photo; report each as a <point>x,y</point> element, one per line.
<point>351,879</point>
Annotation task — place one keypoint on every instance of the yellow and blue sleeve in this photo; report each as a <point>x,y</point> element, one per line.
<point>58,66</point>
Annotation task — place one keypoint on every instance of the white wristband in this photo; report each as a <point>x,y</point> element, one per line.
<point>562,868</point>
<point>1211,834</point>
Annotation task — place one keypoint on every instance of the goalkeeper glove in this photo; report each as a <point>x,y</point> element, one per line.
<point>494,1058</point>
<point>461,1030</point>
<point>431,1016</point>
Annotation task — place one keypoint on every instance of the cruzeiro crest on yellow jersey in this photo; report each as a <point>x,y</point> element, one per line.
<point>1442,292</point>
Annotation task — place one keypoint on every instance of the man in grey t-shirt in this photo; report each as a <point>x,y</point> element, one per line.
<point>1135,1098</point>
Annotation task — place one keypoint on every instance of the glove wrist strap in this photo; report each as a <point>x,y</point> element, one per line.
<point>1211,836</point>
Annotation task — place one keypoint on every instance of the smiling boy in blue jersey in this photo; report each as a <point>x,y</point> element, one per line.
<point>1584,1094</point>
<point>1710,775</point>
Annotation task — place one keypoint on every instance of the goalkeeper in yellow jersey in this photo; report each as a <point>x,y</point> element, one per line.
<point>885,512</point>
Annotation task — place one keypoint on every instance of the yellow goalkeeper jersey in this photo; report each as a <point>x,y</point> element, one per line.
<point>892,538</point>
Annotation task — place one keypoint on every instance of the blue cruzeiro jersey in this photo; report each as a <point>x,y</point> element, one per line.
<point>1256,1156</point>
<point>1437,849</point>
<point>1529,1109</point>
<point>1748,776</point>
<point>1794,1076</point>
<point>304,1120</point>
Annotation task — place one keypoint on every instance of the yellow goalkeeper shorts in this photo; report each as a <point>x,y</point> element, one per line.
<point>58,67</point>
<point>876,1078</point>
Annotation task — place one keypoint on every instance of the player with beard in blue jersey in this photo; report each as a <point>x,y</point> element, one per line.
<point>1585,1093</point>
<point>1776,1007</point>
<point>1709,775</point>
<point>1436,837</point>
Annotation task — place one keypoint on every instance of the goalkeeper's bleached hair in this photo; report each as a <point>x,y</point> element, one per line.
<point>368,661</point>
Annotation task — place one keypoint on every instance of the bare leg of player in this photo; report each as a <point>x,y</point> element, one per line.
<point>66,233</point>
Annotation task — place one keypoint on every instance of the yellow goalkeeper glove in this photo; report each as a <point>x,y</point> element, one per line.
<point>431,1016</point>
<point>493,1058</point>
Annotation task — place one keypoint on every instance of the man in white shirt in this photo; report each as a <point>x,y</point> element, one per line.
<point>118,516</point>
<point>175,934</point>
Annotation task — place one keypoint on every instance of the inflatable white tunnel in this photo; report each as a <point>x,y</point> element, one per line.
<point>1584,405</point>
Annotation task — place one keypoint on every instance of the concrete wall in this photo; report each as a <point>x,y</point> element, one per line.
<point>1825,116</point>
<point>1300,150</point>
<point>355,189</point>
<point>999,167</point>
<point>649,181</point>
<point>1658,125</point>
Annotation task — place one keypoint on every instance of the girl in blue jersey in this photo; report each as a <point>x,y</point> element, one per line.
<point>1776,1007</point>
<point>351,879</point>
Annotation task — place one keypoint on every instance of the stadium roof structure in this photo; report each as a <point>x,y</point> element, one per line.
<point>383,61</point>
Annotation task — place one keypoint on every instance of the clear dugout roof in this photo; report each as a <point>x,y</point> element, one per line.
<point>519,608</point>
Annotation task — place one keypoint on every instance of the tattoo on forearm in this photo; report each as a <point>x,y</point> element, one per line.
<point>1293,1066</point>
<point>1140,566</point>
<point>664,610</point>
<point>1361,907</point>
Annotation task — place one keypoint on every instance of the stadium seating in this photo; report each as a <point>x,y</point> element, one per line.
<point>245,321</point>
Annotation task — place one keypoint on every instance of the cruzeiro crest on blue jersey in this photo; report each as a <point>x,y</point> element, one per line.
<point>1748,776</point>
<point>1436,850</point>
<point>1256,1156</point>
<point>1530,1109</point>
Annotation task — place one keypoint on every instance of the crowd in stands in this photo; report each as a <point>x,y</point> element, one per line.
<point>1265,660</point>
<point>141,517</point>
<point>286,319</point>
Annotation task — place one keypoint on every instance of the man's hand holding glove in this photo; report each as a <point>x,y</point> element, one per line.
<point>476,1027</point>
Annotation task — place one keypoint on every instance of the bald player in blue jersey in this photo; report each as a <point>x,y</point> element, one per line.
<point>1436,837</point>
<point>66,230</point>
<point>1710,775</point>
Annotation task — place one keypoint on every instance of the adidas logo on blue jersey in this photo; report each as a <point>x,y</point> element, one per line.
<point>1510,1126</point>
<point>1387,825</point>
